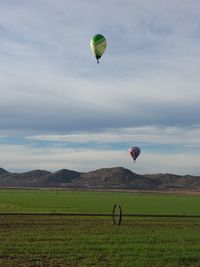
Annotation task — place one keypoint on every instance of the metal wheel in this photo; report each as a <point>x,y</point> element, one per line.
<point>117,214</point>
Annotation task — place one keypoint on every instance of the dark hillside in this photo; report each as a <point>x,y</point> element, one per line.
<point>105,178</point>
<point>27,179</point>
<point>169,180</point>
<point>2,171</point>
<point>59,178</point>
<point>117,177</point>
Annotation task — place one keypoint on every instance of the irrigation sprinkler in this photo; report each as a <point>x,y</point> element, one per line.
<point>117,214</point>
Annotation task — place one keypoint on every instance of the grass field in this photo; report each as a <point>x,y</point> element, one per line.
<point>85,241</point>
<point>96,202</point>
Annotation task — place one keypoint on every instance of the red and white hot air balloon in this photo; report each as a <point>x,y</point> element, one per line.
<point>134,152</point>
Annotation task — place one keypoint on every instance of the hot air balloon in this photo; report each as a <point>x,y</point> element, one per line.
<point>98,45</point>
<point>134,152</point>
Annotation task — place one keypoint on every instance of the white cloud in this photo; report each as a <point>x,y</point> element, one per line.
<point>158,135</point>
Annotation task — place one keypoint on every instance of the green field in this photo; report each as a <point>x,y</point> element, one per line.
<point>94,241</point>
<point>96,202</point>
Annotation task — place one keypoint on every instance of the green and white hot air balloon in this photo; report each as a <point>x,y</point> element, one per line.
<point>98,45</point>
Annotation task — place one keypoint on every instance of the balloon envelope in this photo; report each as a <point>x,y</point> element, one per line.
<point>134,152</point>
<point>98,45</point>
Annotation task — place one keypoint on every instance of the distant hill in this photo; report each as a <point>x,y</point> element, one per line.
<point>59,178</point>
<point>2,171</point>
<point>169,180</point>
<point>117,177</point>
<point>27,179</point>
<point>105,178</point>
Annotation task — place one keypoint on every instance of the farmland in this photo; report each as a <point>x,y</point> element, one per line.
<point>85,241</point>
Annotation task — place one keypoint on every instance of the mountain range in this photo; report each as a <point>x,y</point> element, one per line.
<point>104,178</point>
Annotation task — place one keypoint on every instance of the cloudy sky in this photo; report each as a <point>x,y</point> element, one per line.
<point>59,109</point>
